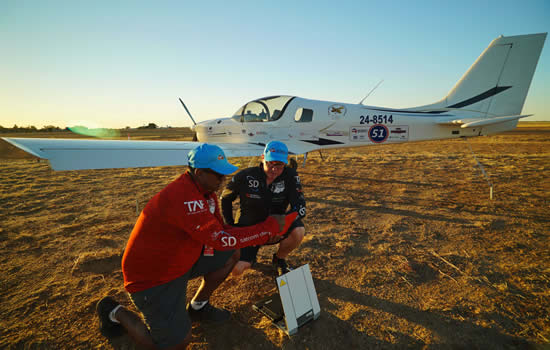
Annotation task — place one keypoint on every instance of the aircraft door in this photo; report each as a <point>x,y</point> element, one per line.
<point>305,124</point>
<point>310,123</point>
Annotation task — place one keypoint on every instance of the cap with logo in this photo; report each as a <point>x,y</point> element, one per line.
<point>276,151</point>
<point>207,156</point>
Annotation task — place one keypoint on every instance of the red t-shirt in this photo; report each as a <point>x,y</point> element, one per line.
<point>169,234</point>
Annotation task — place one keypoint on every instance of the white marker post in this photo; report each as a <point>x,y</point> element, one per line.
<point>482,170</point>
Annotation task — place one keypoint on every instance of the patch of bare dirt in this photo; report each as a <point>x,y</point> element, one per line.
<point>404,244</point>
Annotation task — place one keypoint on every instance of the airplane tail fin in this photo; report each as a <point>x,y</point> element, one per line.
<point>498,81</point>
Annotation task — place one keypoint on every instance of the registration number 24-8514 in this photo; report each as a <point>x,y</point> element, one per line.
<point>376,119</point>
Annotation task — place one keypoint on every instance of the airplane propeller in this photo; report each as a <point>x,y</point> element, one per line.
<point>193,120</point>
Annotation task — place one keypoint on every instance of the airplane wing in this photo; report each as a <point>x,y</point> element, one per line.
<point>474,122</point>
<point>79,154</point>
<point>300,147</point>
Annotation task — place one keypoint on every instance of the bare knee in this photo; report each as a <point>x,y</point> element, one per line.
<point>297,234</point>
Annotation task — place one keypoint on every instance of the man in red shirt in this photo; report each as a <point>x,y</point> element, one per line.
<point>178,236</point>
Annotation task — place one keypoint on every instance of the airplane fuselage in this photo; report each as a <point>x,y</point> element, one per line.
<point>333,125</point>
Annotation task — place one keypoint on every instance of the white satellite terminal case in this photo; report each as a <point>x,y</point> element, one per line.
<point>295,304</point>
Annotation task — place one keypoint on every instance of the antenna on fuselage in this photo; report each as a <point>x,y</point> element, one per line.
<point>370,92</point>
<point>190,116</point>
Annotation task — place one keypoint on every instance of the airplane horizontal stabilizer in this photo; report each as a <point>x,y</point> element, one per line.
<point>470,122</point>
<point>80,154</point>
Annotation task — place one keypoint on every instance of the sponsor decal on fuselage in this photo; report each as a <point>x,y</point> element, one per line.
<point>358,133</point>
<point>399,133</point>
<point>336,133</point>
<point>336,110</point>
<point>379,133</point>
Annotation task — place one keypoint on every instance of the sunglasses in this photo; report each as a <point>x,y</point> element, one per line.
<point>275,165</point>
<point>212,172</point>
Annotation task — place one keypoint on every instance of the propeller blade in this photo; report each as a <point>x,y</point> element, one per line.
<point>190,116</point>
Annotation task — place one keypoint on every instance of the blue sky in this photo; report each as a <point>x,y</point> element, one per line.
<point>125,63</point>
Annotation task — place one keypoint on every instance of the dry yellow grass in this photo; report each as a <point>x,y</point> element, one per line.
<point>405,248</point>
<point>537,124</point>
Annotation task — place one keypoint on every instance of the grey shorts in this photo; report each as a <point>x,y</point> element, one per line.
<point>164,306</point>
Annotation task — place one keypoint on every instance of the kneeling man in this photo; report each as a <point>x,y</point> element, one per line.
<point>265,190</point>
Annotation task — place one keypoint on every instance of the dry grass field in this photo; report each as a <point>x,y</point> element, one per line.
<point>405,247</point>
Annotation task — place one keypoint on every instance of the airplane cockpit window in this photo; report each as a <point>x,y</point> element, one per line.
<point>254,112</point>
<point>303,115</point>
<point>265,109</point>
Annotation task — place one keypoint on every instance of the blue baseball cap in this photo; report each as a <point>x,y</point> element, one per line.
<point>212,157</point>
<point>276,151</point>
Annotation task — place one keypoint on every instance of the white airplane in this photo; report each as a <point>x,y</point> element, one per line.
<point>488,99</point>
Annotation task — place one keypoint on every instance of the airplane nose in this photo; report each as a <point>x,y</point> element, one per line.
<point>200,133</point>
<point>200,129</point>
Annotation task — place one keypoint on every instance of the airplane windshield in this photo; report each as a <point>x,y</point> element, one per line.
<point>262,110</point>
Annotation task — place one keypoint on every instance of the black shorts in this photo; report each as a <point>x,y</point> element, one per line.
<point>249,254</point>
<point>164,306</point>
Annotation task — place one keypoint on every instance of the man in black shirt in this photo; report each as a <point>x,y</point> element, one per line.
<point>265,190</point>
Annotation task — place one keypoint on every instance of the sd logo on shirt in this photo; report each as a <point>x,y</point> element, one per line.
<point>229,241</point>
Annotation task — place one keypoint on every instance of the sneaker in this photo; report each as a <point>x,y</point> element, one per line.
<point>208,313</point>
<point>107,327</point>
<point>280,265</point>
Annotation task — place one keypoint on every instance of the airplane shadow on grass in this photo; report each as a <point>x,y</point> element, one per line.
<point>366,180</point>
<point>474,210</point>
<point>351,179</point>
<point>385,210</point>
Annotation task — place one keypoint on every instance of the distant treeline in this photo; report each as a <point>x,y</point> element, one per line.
<point>52,128</point>
<point>32,128</point>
